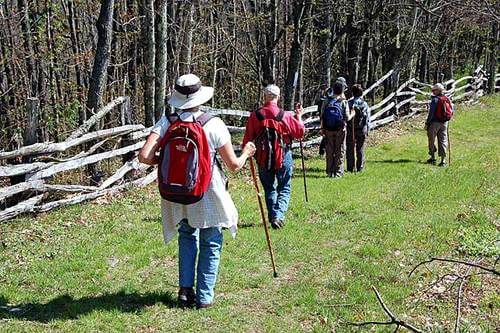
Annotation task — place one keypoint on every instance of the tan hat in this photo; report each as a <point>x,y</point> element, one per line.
<point>272,89</point>
<point>189,93</point>
<point>438,86</point>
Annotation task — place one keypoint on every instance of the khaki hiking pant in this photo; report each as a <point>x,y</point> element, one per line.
<point>335,151</point>
<point>439,130</point>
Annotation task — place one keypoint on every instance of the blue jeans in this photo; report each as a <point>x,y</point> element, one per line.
<point>210,246</point>
<point>277,187</point>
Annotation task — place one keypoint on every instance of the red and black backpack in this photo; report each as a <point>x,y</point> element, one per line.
<point>185,165</point>
<point>269,143</point>
<point>444,109</point>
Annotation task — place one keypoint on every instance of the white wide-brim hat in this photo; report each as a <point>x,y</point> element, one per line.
<point>189,93</point>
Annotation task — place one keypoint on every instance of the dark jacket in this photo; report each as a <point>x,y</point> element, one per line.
<point>431,117</point>
<point>361,104</point>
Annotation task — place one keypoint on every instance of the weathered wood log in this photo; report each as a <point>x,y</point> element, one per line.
<point>122,171</point>
<point>40,186</point>
<point>86,126</point>
<point>50,147</point>
<point>464,95</point>
<point>415,102</point>
<point>10,191</point>
<point>404,102</point>
<point>80,162</point>
<point>381,112</point>
<point>465,78</point>
<point>22,207</point>
<point>406,93</point>
<point>383,121</point>
<point>379,82</point>
<point>404,85</point>
<point>68,188</point>
<point>423,84</point>
<point>141,182</point>
<point>21,169</point>
<point>138,135</point>
<point>226,112</point>
<point>383,102</point>
<point>235,129</point>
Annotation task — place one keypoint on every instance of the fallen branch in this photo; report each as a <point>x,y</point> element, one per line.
<point>459,299</point>
<point>22,207</point>
<point>86,126</point>
<point>141,182</point>
<point>80,162</point>
<point>50,147</point>
<point>393,319</point>
<point>455,261</point>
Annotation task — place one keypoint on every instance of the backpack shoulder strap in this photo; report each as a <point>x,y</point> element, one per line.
<point>204,118</point>
<point>280,115</point>
<point>259,115</point>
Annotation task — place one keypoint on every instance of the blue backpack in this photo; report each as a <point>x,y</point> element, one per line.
<point>333,116</point>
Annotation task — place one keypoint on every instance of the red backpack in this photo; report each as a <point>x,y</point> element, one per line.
<point>185,165</point>
<point>269,143</point>
<point>444,109</point>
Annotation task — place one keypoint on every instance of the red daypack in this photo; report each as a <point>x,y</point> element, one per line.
<point>185,165</point>
<point>444,109</point>
<point>269,143</point>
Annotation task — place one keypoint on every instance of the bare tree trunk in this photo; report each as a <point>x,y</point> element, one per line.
<point>28,46</point>
<point>187,47</point>
<point>493,57</point>
<point>101,62</point>
<point>301,11</point>
<point>148,37</point>
<point>160,57</point>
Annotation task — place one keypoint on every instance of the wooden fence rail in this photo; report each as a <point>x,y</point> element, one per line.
<point>49,159</point>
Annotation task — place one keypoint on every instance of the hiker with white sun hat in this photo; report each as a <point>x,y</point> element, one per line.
<point>196,204</point>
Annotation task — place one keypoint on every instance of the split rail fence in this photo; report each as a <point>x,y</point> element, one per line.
<point>33,185</point>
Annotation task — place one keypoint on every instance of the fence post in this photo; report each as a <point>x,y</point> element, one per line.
<point>126,119</point>
<point>30,135</point>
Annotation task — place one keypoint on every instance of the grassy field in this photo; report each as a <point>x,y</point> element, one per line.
<point>103,266</point>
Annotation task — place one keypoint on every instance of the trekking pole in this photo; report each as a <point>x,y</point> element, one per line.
<point>449,143</point>
<point>354,157</point>
<point>263,215</point>
<point>303,169</point>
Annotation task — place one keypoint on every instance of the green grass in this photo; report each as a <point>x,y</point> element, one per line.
<point>103,266</point>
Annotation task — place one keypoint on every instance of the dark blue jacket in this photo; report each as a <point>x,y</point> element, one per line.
<point>432,109</point>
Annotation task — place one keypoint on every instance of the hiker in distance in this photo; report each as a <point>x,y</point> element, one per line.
<point>273,130</point>
<point>440,112</point>
<point>357,130</point>
<point>196,204</point>
<point>324,100</point>
<point>333,128</point>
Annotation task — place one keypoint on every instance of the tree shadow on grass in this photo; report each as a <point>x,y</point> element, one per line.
<point>66,307</point>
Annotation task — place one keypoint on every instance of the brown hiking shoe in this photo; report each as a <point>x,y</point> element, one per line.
<point>277,223</point>
<point>186,297</point>
<point>201,306</point>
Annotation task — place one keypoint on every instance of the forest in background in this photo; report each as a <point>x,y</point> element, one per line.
<point>77,55</point>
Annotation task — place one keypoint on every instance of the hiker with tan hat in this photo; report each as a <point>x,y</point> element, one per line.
<point>196,204</point>
<point>441,110</point>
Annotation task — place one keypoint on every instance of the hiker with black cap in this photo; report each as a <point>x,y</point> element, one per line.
<point>440,112</point>
<point>328,97</point>
<point>273,131</point>
<point>189,142</point>
<point>333,128</point>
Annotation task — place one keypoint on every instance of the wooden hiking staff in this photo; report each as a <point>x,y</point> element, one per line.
<point>303,169</point>
<point>263,215</point>
<point>303,162</point>
<point>449,142</point>
<point>354,157</point>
